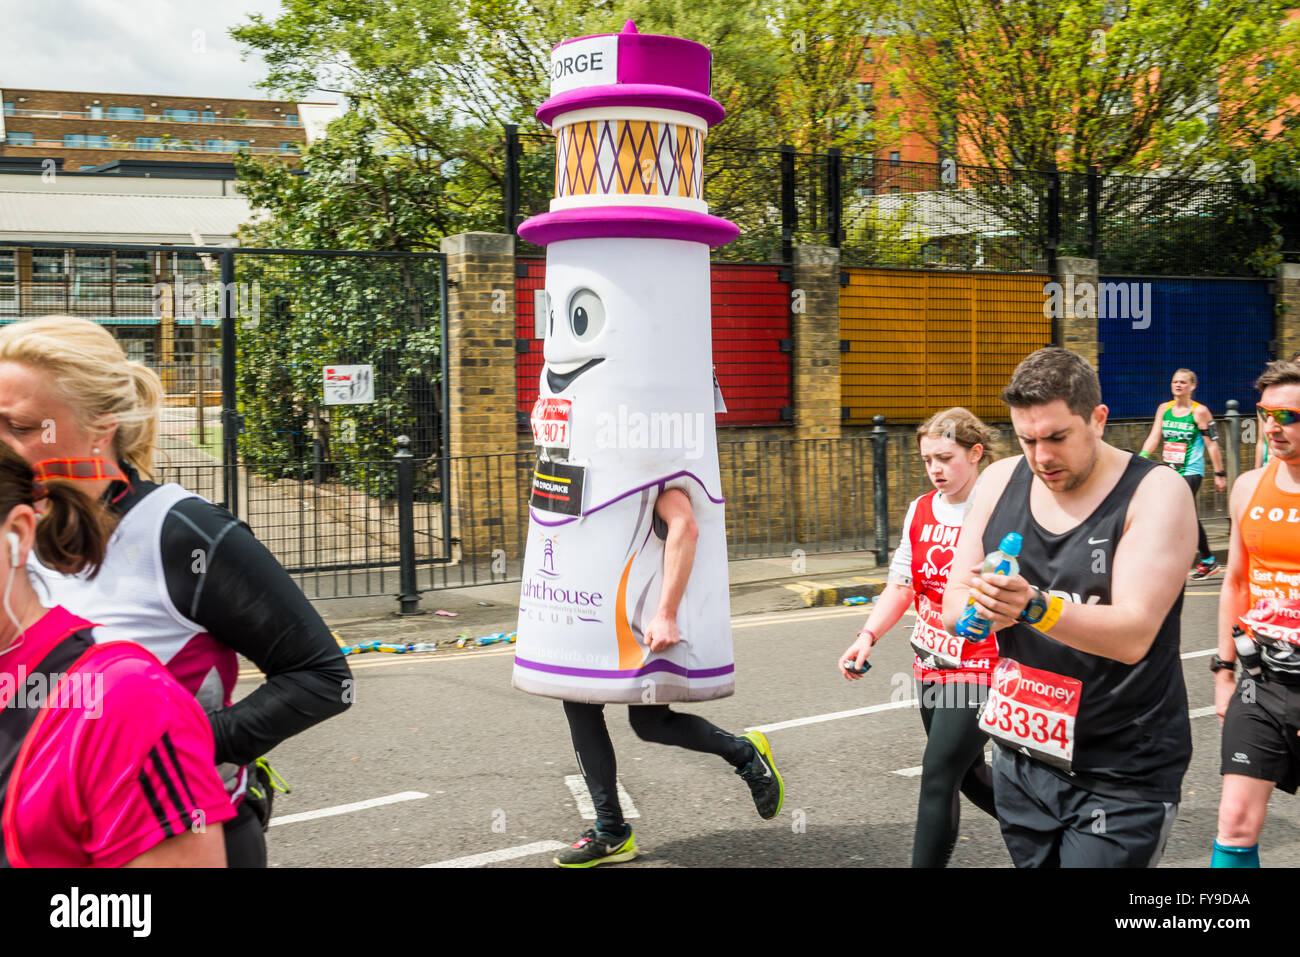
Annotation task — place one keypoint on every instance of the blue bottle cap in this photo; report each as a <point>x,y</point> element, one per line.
<point>1011,544</point>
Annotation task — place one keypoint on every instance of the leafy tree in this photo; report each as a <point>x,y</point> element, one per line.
<point>1179,91</point>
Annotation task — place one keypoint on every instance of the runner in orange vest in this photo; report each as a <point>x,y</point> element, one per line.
<point>1261,711</point>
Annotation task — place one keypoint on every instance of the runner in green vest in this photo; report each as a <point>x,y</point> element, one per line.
<point>1183,430</point>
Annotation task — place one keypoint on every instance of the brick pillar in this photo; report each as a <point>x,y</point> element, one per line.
<point>1288,313</point>
<point>486,506</point>
<point>815,327</point>
<point>1077,333</point>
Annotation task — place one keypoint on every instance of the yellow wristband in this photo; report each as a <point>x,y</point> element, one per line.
<point>1055,605</point>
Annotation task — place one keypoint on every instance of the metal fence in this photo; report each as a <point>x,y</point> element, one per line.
<point>884,211</point>
<point>461,522</point>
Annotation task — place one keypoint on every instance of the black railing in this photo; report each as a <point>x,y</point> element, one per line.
<point>883,211</point>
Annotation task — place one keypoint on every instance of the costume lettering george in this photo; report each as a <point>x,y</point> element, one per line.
<point>626,399</point>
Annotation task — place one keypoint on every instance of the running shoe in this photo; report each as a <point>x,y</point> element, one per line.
<point>599,847</point>
<point>761,775</point>
<point>1204,569</point>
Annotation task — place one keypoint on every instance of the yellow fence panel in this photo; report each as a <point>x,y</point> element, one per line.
<point>924,341</point>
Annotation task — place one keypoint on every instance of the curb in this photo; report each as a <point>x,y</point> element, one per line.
<point>816,594</point>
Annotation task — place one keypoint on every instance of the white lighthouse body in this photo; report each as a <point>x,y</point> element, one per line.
<point>625,407</point>
<point>628,345</point>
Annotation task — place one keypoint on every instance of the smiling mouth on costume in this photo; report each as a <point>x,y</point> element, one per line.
<point>559,381</point>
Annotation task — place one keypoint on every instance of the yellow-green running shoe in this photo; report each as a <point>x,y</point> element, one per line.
<point>763,778</point>
<point>599,847</point>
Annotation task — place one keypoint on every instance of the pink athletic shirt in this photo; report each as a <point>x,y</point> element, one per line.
<point>115,763</point>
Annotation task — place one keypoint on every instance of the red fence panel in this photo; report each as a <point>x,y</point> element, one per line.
<point>751,318</point>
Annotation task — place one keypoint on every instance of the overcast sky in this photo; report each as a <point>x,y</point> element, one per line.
<point>131,46</point>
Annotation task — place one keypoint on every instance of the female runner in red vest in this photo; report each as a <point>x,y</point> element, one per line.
<point>105,760</point>
<point>952,677</point>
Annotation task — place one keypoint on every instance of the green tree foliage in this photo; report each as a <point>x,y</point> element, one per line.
<point>1180,91</point>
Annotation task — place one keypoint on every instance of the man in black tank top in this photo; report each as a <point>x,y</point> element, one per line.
<point>1088,709</point>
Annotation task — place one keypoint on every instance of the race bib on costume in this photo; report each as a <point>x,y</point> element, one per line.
<point>1175,453</point>
<point>1033,711</point>
<point>550,421</point>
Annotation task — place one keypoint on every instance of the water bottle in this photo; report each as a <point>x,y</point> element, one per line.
<point>972,624</point>
<point>424,646</point>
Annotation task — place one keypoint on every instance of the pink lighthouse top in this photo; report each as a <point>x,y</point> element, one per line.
<point>630,113</point>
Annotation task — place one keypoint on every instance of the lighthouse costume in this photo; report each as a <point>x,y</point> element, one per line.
<point>626,401</point>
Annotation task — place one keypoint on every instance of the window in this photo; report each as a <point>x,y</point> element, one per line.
<point>209,116</point>
<point>14,138</point>
<point>290,148</point>
<point>893,89</point>
<point>74,139</point>
<point>148,143</point>
<point>125,113</point>
<point>138,342</point>
<point>213,146</point>
<point>291,119</point>
<point>90,278</point>
<point>868,56</point>
<point>894,158</point>
<point>49,278</point>
<point>8,281</point>
<point>895,189</point>
<point>96,112</point>
<point>180,116</point>
<point>232,145</point>
<point>9,109</point>
<point>865,91</point>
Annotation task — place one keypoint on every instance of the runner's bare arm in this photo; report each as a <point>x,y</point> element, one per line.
<point>970,545</point>
<point>1204,417</point>
<point>1153,437</point>
<point>1149,569</point>
<point>205,848</point>
<point>674,507</point>
<point>1234,597</point>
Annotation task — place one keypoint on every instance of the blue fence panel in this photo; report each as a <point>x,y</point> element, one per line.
<point>1218,328</point>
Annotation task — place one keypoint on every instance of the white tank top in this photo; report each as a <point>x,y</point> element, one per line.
<point>128,601</point>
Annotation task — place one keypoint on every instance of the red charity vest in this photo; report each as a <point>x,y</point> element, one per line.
<point>934,545</point>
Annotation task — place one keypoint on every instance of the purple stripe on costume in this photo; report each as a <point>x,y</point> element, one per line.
<point>628,222</point>
<point>659,481</point>
<point>659,665</point>
<point>656,95</point>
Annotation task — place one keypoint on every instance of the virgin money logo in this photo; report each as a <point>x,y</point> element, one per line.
<point>1007,678</point>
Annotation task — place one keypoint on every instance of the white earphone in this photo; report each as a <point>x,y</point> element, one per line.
<point>13,548</point>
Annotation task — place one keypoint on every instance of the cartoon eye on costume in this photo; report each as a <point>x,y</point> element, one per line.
<point>586,315</point>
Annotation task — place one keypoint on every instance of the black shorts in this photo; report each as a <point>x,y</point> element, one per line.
<point>1259,732</point>
<point>1048,822</point>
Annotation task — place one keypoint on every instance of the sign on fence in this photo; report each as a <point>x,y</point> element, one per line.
<point>349,385</point>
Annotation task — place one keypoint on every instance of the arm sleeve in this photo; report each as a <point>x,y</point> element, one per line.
<point>144,766</point>
<point>900,566</point>
<point>244,599</point>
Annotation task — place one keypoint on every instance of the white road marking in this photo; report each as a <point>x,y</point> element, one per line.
<point>1194,713</point>
<point>834,715</point>
<point>505,854</point>
<point>582,797</point>
<point>348,808</point>
<point>1198,654</point>
<point>873,709</point>
<point>916,771</point>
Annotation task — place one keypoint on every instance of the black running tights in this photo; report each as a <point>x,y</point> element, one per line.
<point>953,763</point>
<point>651,722</point>
<point>1202,543</point>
